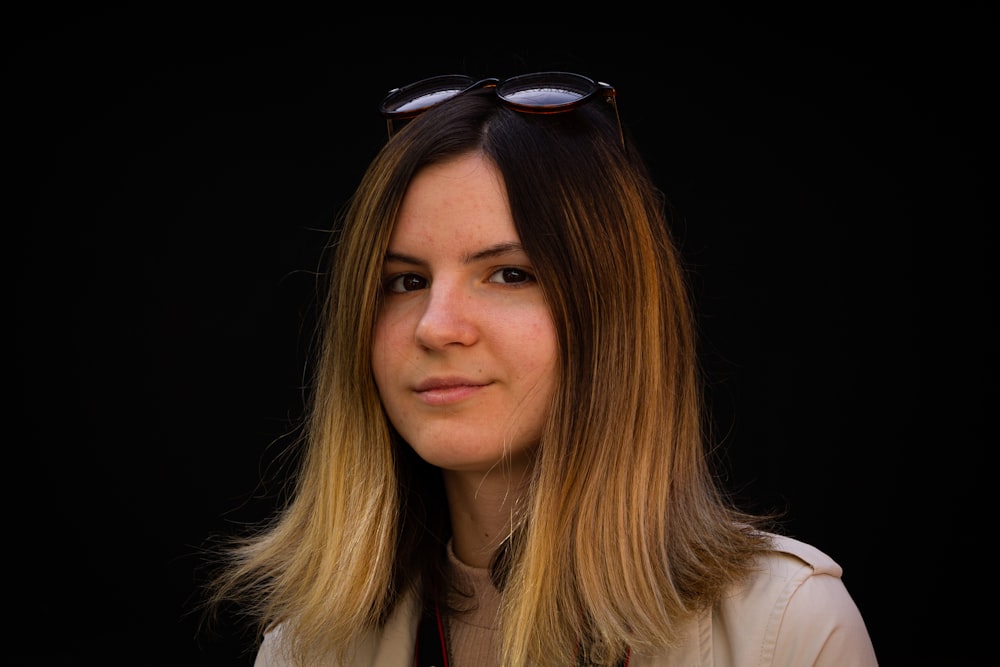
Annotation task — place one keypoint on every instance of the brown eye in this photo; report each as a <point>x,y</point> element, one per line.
<point>511,275</point>
<point>407,282</point>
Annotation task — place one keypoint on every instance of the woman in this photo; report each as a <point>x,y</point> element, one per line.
<point>505,463</point>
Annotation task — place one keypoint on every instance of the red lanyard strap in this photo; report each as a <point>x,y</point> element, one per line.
<point>432,648</point>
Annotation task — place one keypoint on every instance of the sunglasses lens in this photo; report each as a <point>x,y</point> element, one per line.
<point>546,90</point>
<point>422,101</point>
<point>424,94</point>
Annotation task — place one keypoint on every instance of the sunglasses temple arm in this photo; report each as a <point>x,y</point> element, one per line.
<point>621,132</point>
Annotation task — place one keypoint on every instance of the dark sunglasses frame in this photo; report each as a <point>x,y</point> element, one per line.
<point>527,93</point>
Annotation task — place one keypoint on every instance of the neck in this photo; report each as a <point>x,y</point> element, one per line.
<point>482,508</point>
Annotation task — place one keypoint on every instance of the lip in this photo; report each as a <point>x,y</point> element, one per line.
<point>447,390</point>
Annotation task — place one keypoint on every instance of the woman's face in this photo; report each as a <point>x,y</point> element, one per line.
<point>464,353</point>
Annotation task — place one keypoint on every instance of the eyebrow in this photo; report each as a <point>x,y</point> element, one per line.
<point>486,253</point>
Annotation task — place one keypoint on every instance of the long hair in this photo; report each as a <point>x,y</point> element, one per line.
<point>624,534</point>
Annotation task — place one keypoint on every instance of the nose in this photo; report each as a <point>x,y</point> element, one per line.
<point>448,317</point>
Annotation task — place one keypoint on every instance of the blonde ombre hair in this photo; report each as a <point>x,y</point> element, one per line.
<point>624,534</point>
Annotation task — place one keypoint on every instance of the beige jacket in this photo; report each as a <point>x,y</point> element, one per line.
<point>795,612</point>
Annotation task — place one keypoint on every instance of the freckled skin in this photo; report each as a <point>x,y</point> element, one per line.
<point>462,316</point>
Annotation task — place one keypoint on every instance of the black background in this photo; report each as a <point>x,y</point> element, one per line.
<point>170,173</point>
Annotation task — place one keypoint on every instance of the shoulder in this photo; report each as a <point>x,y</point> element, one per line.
<point>786,566</point>
<point>798,552</point>
<point>792,610</point>
<point>391,644</point>
<point>795,609</point>
<point>790,574</point>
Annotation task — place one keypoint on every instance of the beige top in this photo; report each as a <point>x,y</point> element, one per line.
<point>473,636</point>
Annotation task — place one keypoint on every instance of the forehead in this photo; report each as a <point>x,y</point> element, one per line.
<point>460,199</point>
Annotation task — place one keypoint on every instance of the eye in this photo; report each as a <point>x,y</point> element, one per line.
<point>406,282</point>
<point>510,275</point>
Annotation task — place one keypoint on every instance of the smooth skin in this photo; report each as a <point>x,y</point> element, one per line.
<point>465,348</point>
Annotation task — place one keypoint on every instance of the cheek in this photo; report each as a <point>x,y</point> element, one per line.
<point>536,351</point>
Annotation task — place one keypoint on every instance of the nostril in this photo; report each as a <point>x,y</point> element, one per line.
<point>446,320</point>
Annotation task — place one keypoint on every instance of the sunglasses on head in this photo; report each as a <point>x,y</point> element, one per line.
<point>538,93</point>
